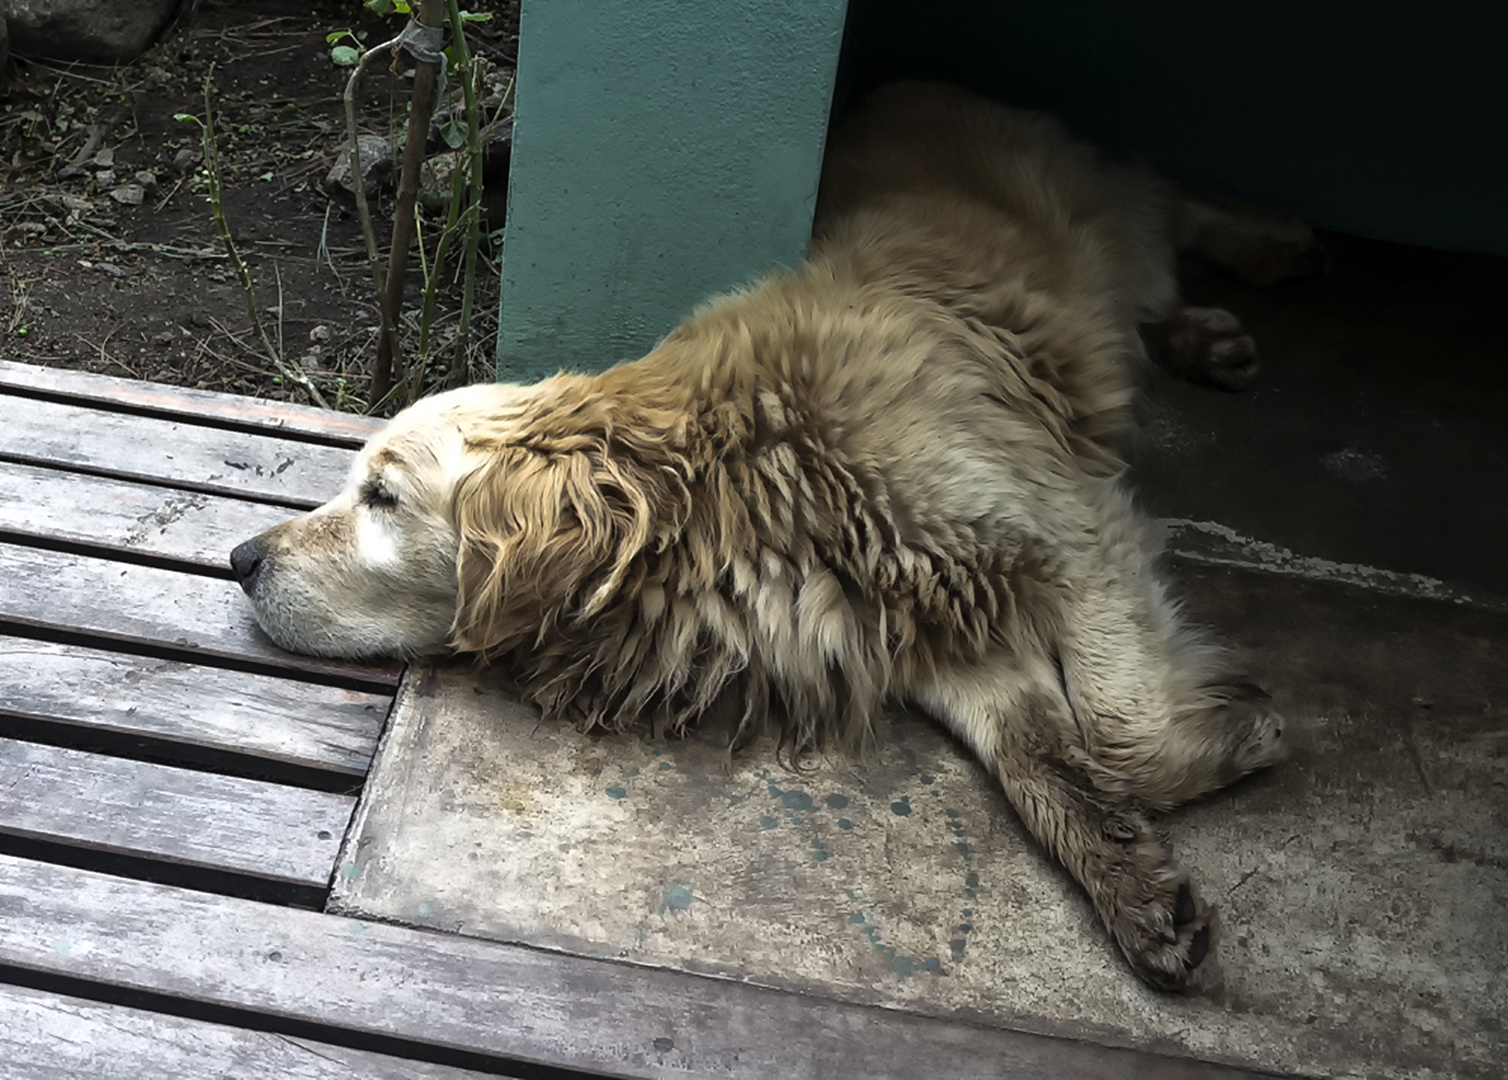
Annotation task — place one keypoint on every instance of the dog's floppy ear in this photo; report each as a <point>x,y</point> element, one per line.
<point>551,527</point>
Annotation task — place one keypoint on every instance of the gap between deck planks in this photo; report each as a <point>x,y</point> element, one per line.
<point>120,517</point>
<point>46,1036</point>
<point>189,614</point>
<point>250,827</point>
<point>196,406</point>
<point>500,1000</point>
<point>258,716</point>
<point>156,450</point>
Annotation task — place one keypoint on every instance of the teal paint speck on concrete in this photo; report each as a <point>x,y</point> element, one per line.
<point>663,152</point>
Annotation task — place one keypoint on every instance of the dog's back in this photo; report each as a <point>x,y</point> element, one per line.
<point>998,213</point>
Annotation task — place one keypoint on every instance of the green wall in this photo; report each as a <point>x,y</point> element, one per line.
<point>663,151</point>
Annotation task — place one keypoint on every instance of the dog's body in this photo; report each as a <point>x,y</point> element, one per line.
<point>892,475</point>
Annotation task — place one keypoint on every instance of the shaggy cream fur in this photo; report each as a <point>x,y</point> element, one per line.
<point>889,476</point>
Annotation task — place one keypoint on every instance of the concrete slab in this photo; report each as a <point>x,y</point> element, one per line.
<point>1362,885</point>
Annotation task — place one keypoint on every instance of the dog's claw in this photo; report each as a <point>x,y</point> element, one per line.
<point>1184,908</point>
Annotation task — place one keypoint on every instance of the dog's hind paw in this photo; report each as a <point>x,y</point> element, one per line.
<point>1205,345</point>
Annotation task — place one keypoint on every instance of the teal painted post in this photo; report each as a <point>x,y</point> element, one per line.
<point>663,151</point>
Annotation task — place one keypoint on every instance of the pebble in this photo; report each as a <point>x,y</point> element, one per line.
<point>103,267</point>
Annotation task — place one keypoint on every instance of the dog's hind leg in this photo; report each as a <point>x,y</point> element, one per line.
<point>1259,246</point>
<point>1162,715</point>
<point>1013,713</point>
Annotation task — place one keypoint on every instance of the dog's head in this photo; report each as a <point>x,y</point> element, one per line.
<point>476,520</point>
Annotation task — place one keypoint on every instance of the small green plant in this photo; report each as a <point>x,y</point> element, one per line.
<point>341,53</point>
<point>391,378</point>
<point>214,179</point>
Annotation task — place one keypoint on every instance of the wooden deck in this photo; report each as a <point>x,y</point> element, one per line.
<point>174,792</point>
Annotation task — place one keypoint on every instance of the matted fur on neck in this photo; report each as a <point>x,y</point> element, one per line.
<point>714,522</point>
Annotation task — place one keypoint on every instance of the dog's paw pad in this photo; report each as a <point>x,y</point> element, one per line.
<point>1184,909</point>
<point>1198,948</point>
<point>1231,363</point>
<point>1206,345</point>
<point>1167,939</point>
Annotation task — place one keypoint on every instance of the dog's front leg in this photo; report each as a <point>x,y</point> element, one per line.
<point>1145,899</point>
<point>1014,714</point>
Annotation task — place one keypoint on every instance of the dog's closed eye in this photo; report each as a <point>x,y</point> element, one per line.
<point>377,496</point>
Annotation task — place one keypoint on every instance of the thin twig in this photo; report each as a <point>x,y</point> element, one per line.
<point>458,368</point>
<point>126,246</point>
<point>20,298</point>
<point>171,192</point>
<point>278,273</point>
<point>285,372</point>
<point>389,366</point>
<point>216,193</point>
<point>442,250</point>
<point>324,246</point>
<point>388,320</point>
<point>104,357</point>
<point>96,135</point>
<point>67,73</point>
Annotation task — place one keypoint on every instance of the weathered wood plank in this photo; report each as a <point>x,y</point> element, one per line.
<point>504,1000</point>
<point>319,727</point>
<point>199,406</point>
<point>46,1036</point>
<point>58,590</point>
<point>186,455</point>
<point>250,827</point>
<point>118,515</point>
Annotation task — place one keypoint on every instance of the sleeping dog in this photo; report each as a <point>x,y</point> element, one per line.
<point>892,475</point>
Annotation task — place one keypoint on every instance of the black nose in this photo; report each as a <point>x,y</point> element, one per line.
<point>246,564</point>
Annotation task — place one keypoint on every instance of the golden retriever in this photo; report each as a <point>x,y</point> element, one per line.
<point>889,476</point>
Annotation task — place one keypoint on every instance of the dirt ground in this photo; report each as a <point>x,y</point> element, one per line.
<point>146,291</point>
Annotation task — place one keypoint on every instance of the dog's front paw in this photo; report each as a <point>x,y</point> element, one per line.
<point>1206,345</point>
<point>1167,938</point>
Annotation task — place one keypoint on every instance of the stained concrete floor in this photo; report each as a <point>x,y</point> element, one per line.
<point>1342,526</point>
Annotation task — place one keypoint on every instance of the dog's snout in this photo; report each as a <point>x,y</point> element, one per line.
<point>246,563</point>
